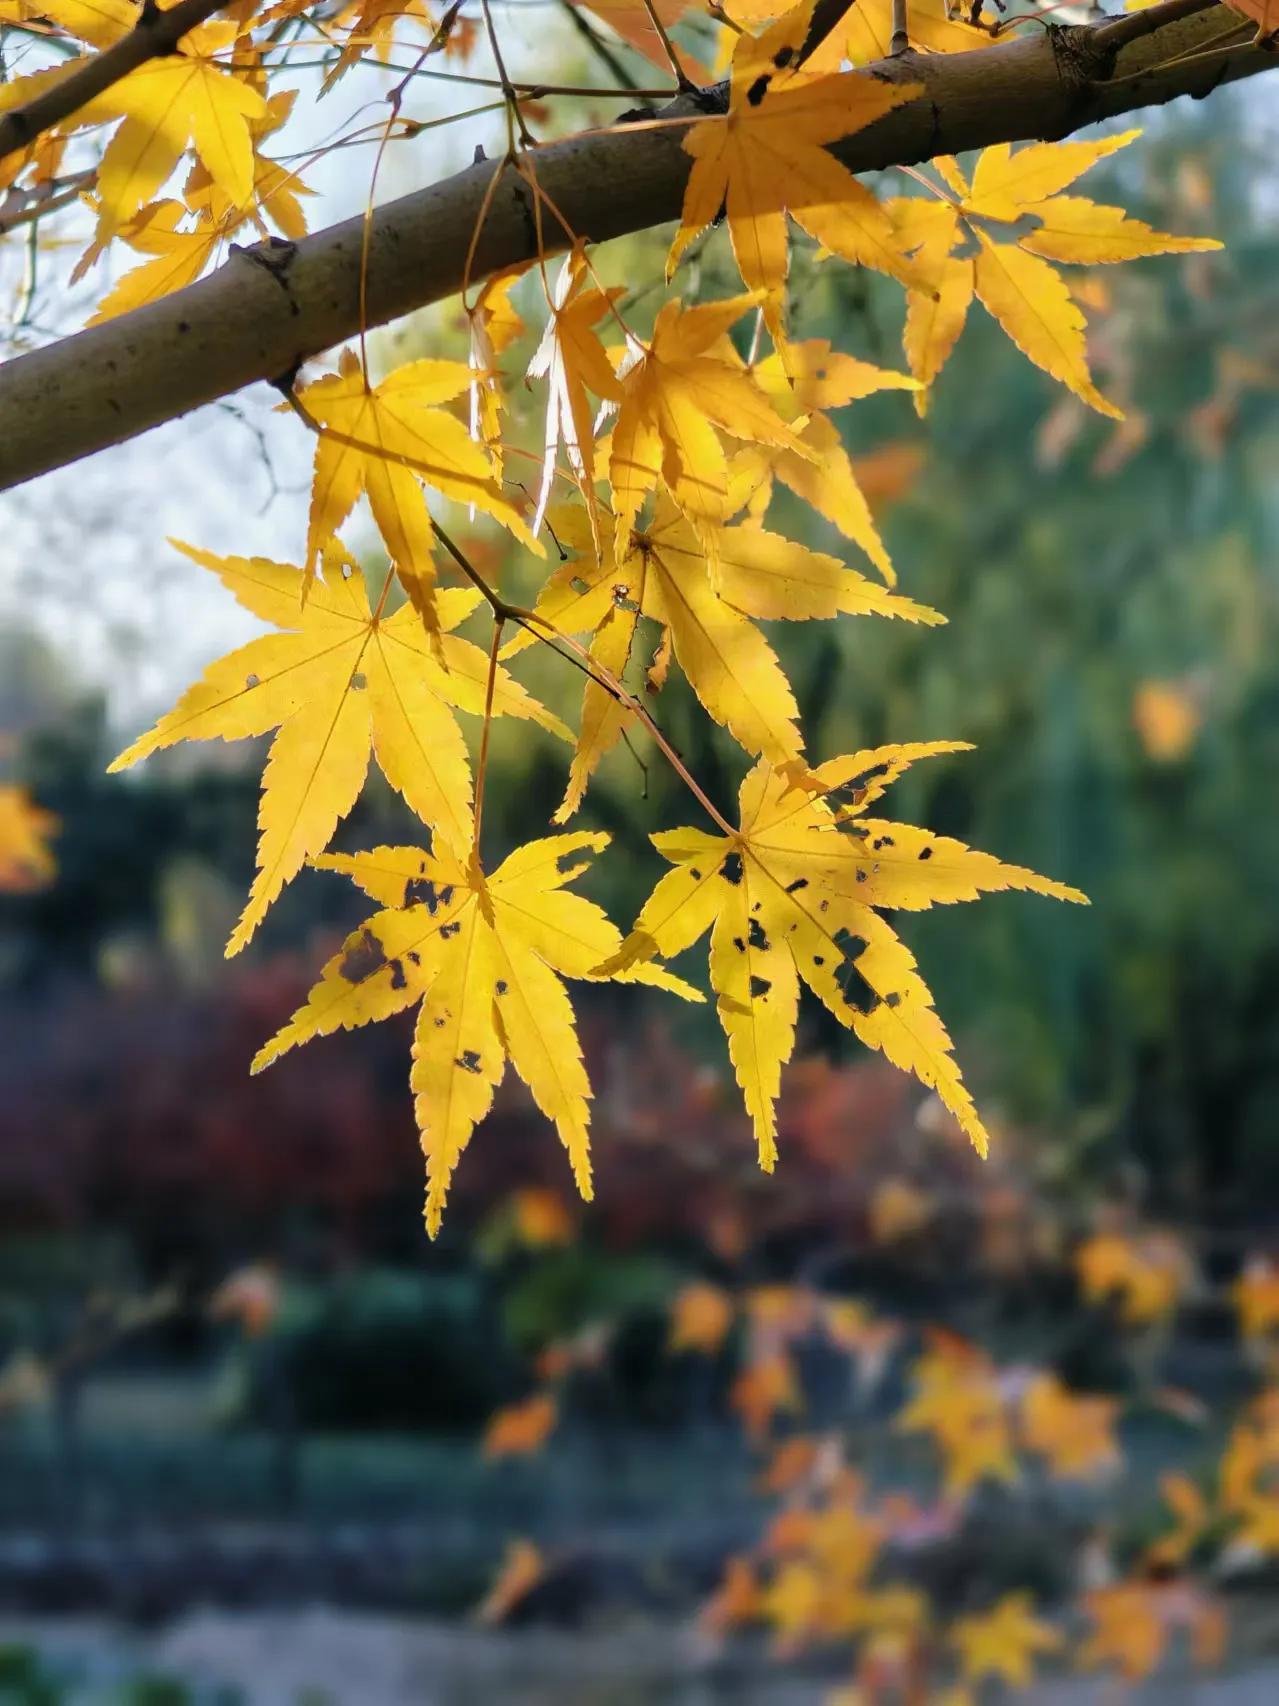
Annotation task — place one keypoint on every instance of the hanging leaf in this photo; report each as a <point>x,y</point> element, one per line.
<point>340,683</point>
<point>484,956</point>
<point>793,895</point>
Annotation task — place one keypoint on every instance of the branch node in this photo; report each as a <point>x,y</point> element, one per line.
<point>275,256</point>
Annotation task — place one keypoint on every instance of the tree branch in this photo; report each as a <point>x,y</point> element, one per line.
<point>155,34</point>
<point>271,307</point>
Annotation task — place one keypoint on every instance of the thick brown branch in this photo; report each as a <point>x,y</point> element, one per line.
<point>155,34</point>
<point>272,307</point>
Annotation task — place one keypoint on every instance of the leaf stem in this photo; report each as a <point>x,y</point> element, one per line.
<point>482,765</point>
<point>899,41</point>
<point>576,653</point>
<point>686,84</point>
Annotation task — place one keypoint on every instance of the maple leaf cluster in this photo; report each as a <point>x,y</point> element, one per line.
<point>662,452</point>
<point>908,1561</point>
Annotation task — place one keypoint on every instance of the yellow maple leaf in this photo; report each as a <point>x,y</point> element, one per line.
<point>764,1388</point>
<point>369,24</point>
<point>865,32</point>
<point>931,25</point>
<point>1192,1518</point>
<point>958,1401</point>
<point>737,1600</point>
<point>541,1218</point>
<point>995,237</point>
<point>812,379</point>
<point>1004,1641</point>
<point>1128,1632</point>
<point>26,860</point>
<point>383,440</point>
<point>338,683</point>
<point>1146,1275</point>
<point>767,157</point>
<point>521,1430</point>
<point>792,1464</point>
<point>484,955</point>
<point>678,394</point>
<point>701,1316</point>
<point>1256,1298</point>
<point>1167,716</point>
<point>633,22</point>
<point>794,1604</point>
<point>522,1569</point>
<point>494,325</point>
<point>792,895</point>
<point>183,99</point>
<point>1075,1434</point>
<point>571,358</point>
<point>178,258</point>
<point>181,255</point>
<point>707,615</point>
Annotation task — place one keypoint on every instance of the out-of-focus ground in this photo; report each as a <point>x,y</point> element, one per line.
<point>321,1655</point>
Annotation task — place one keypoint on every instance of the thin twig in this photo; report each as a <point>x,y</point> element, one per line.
<point>899,41</point>
<point>686,84</point>
<point>482,765</point>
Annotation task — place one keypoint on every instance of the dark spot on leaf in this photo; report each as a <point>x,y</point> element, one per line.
<point>501,986</point>
<point>925,852</point>
<point>758,89</point>
<point>439,1023</point>
<point>781,59</point>
<point>819,960</point>
<point>414,957</point>
<point>893,1000</point>
<point>757,937</point>
<point>882,841</point>
<point>862,874</point>
<point>857,992</point>
<point>359,682</point>
<point>469,1060</point>
<point>854,791</point>
<point>824,907</point>
<point>797,885</point>
<point>731,869</point>
<point>398,979</point>
<point>759,986</point>
<point>447,930</point>
<point>362,959</point>
<point>695,873</point>
<point>423,891</point>
<point>739,944</point>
